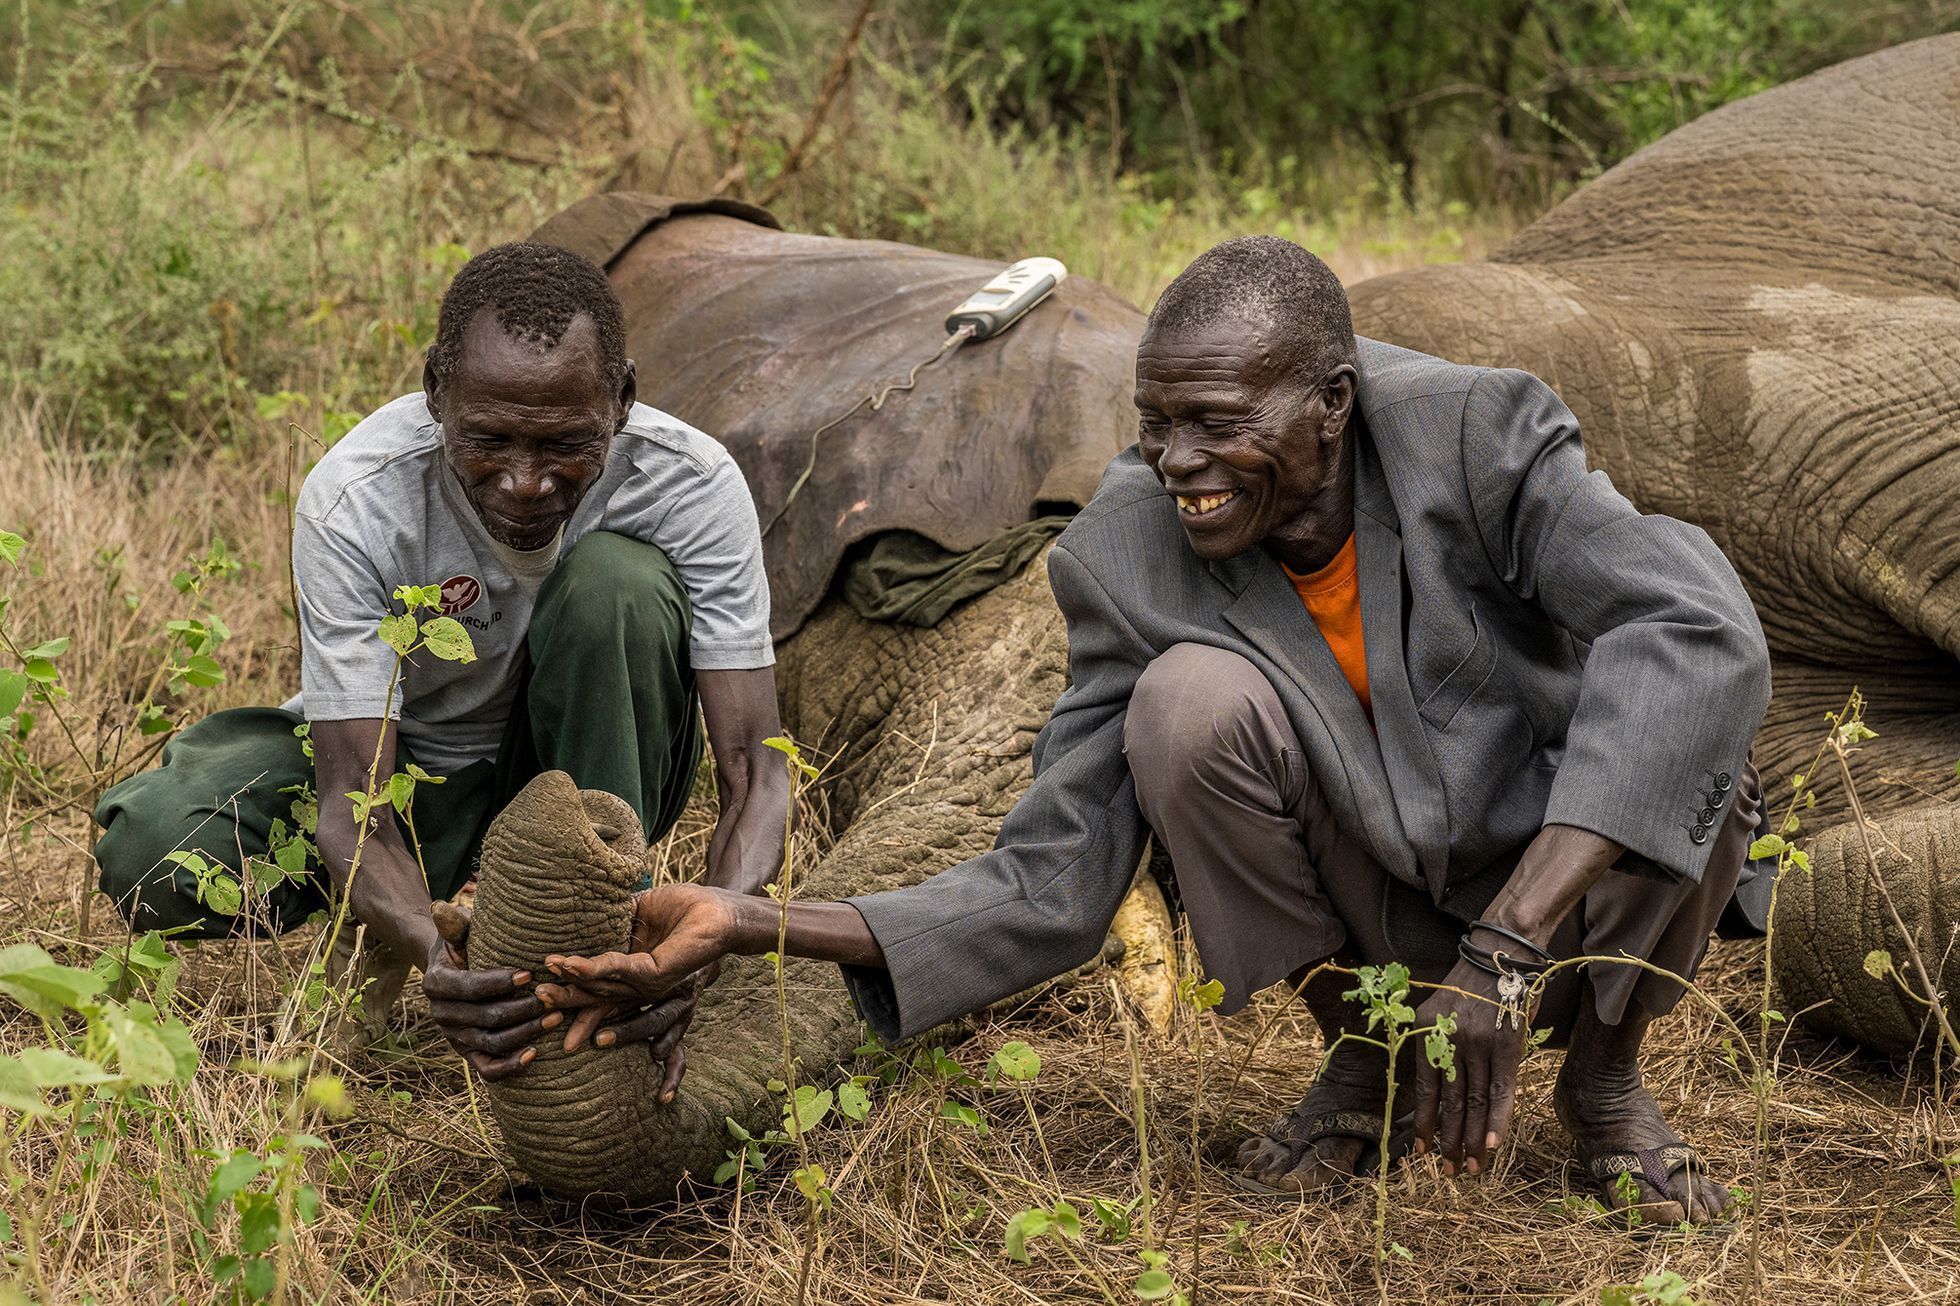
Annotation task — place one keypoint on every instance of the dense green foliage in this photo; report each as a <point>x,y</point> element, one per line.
<point>1473,99</point>
<point>224,214</point>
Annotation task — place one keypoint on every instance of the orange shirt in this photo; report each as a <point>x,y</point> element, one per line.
<point>1333,599</point>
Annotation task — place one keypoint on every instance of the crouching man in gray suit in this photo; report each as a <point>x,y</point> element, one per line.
<point>1392,676</point>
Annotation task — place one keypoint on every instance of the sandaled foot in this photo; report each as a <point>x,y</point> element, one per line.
<point>1332,1137</point>
<point>1639,1166</point>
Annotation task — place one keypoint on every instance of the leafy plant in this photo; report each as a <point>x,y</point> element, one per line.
<point>804,1107</point>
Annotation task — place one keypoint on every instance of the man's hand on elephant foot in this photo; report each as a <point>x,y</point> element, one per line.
<point>598,1018</point>
<point>487,1015</point>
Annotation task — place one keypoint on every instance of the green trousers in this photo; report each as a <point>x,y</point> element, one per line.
<point>608,697</point>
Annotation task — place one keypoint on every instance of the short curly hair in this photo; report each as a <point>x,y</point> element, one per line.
<point>1267,280</point>
<point>536,291</point>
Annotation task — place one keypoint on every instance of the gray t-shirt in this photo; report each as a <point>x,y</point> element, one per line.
<point>384,509</point>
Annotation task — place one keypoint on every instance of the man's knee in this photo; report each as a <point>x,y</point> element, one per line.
<point>1198,712</point>
<point>137,873</point>
<point>609,585</point>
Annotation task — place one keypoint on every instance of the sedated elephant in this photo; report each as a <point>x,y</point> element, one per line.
<point>1757,321</point>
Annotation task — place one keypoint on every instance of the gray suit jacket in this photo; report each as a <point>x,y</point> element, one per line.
<point>1539,651</point>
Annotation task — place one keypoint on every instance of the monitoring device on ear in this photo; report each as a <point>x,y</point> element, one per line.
<point>1002,302</point>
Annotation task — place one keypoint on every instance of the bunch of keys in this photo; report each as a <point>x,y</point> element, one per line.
<point>1510,997</point>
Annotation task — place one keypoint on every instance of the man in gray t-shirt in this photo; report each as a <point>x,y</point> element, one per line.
<point>606,562</point>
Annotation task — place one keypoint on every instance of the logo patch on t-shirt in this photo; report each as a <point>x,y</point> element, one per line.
<point>460,593</point>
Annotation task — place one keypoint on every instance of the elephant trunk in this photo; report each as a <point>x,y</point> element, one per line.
<point>558,872</point>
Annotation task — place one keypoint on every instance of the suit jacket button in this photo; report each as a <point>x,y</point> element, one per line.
<point>1716,797</point>
<point>1723,781</point>
<point>1699,834</point>
<point>1707,815</point>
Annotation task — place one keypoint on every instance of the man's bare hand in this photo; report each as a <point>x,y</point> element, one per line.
<point>1466,1118</point>
<point>680,934</point>
<point>490,1016</point>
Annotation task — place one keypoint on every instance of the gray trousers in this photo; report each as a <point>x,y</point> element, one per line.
<point>1270,883</point>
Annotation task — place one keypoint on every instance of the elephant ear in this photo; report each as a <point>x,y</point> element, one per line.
<point>558,871</point>
<point>762,337</point>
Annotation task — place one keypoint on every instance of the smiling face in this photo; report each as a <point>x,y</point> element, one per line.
<point>527,429</point>
<point>1253,448</point>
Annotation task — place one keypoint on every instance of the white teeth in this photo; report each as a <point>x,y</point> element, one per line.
<point>1194,507</point>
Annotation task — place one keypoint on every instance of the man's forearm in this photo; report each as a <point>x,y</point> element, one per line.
<point>1556,871</point>
<point>746,852</point>
<point>387,891</point>
<point>821,931</point>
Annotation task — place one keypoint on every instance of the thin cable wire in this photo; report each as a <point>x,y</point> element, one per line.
<point>877,401</point>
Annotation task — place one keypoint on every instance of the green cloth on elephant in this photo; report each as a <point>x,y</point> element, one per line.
<point>905,577</point>
<point>608,697</point>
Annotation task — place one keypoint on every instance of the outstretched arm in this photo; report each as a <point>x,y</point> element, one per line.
<point>680,929</point>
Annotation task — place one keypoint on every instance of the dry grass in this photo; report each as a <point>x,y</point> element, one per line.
<point>418,1207</point>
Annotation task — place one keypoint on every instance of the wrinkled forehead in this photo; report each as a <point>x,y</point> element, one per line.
<point>1230,359</point>
<point>493,359</point>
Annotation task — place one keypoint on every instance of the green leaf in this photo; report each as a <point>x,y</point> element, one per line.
<point>176,1037</point>
<point>1770,845</point>
<point>401,790</point>
<point>1208,995</point>
<point>1023,1226</point>
<point>237,1170</point>
<point>1800,859</point>
<point>11,547</point>
<point>32,978</point>
<point>1878,963</point>
<point>787,747</point>
<point>852,1101</point>
<point>50,650</point>
<point>398,631</point>
<point>1016,1061</point>
<point>807,1110</point>
<point>290,857</point>
<point>143,1053</point>
<point>727,1170</point>
<point>40,671</point>
<point>963,1115</point>
<point>1067,1222</point>
<point>222,894</point>
<point>419,596</point>
<point>18,1090</point>
<point>258,1222</point>
<point>260,1277</point>
<point>53,1068</point>
<point>13,688</point>
<point>329,1094</point>
<point>1854,732</point>
<point>810,1181</point>
<point>1154,1285</point>
<point>1115,1220</point>
<point>446,638</point>
<point>202,670</point>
